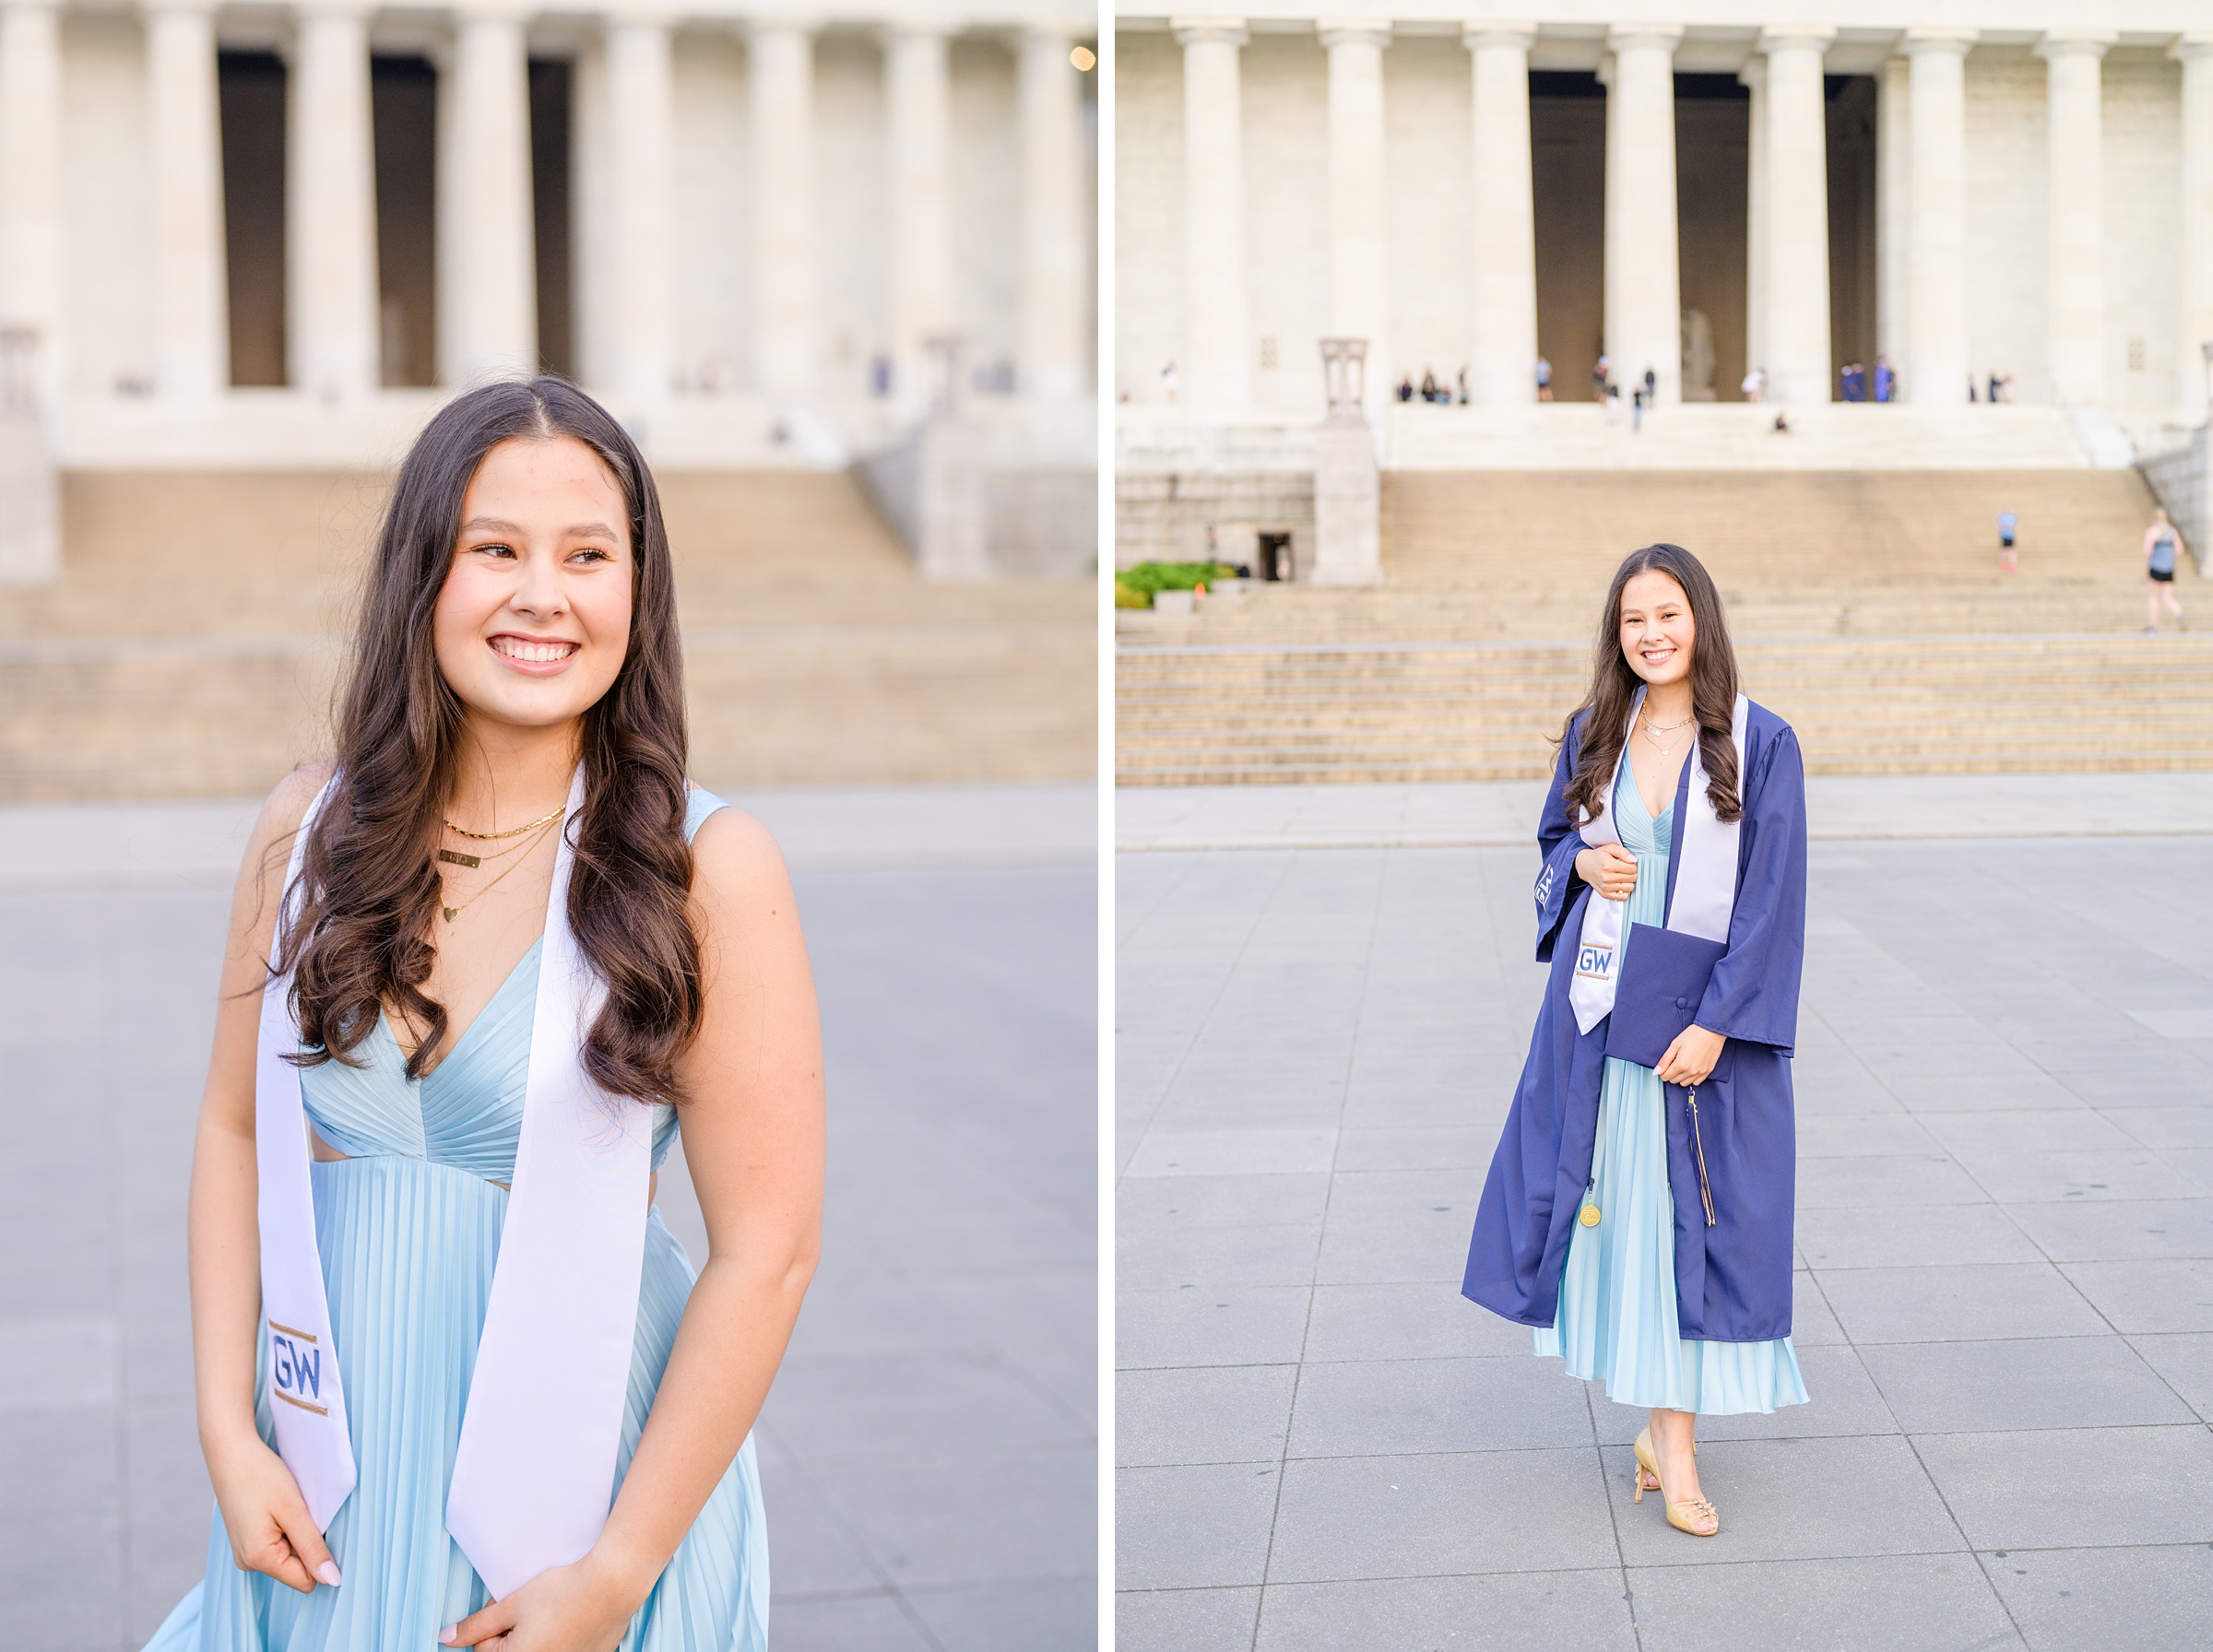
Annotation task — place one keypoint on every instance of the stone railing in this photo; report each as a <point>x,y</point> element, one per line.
<point>2181,481</point>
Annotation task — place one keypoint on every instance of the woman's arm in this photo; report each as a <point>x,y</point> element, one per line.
<point>1753,992</point>
<point>1561,845</point>
<point>267,1521</point>
<point>753,1138</point>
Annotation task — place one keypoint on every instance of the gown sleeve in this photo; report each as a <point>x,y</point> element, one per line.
<point>1559,842</point>
<point>1753,994</point>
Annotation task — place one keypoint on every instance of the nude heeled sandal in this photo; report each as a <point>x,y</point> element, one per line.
<point>1691,1508</point>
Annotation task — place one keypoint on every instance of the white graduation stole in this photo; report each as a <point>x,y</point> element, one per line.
<point>307,1398</point>
<point>1705,895</point>
<point>534,1472</point>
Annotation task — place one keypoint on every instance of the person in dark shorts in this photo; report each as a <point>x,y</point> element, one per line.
<point>2009,559</point>
<point>2162,545</point>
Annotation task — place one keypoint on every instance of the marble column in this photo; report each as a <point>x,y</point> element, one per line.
<point>1753,78</point>
<point>1643,283</point>
<point>487,259</point>
<point>2194,328</point>
<point>191,294</point>
<point>917,102</point>
<point>1052,362</point>
<point>1217,368</point>
<point>1503,369</point>
<point>1935,371</point>
<point>1359,194</point>
<point>331,289</point>
<point>31,180</point>
<point>1797,215</point>
<point>641,249</point>
<point>780,63</point>
<point>2074,215</point>
<point>1755,218</point>
<point>1893,208</point>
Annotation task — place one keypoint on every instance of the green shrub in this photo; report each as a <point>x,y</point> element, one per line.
<point>1133,587</point>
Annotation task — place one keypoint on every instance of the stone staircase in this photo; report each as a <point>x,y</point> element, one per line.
<point>1866,606</point>
<point>193,643</point>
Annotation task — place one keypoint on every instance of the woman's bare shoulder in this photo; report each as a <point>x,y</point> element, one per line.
<point>735,857</point>
<point>281,813</point>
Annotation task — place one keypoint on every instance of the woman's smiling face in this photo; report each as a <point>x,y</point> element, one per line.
<point>532,622</point>
<point>1657,632</point>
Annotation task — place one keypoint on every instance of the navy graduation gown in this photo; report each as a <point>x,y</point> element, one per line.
<point>1732,1280</point>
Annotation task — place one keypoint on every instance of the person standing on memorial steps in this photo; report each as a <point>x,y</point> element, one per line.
<point>456,1381</point>
<point>1637,1211</point>
<point>2161,545</point>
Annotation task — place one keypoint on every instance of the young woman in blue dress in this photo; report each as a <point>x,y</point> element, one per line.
<point>1638,1218</point>
<point>516,683</point>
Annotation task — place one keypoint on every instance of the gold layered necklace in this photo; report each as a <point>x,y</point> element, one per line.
<point>494,837</point>
<point>1653,731</point>
<point>543,826</point>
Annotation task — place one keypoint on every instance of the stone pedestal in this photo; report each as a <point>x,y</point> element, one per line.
<point>1348,487</point>
<point>1348,504</point>
<point>952,536</point>
<point>31,487</point>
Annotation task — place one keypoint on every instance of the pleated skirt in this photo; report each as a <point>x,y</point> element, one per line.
<point>408,1248</point>
<point>1618,1321</point>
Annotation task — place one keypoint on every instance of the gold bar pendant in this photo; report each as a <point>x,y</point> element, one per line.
<point>453,857</point>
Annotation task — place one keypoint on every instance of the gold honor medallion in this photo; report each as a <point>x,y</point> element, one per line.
<point>1590,1217</point>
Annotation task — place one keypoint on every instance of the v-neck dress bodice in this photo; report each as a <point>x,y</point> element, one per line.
<point>466,1112</point>
<point>1617,1320</point>
<point>407,1226</point>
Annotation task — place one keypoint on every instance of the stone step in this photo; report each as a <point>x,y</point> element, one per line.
<point>1866,610</point>
<point>192,647</point>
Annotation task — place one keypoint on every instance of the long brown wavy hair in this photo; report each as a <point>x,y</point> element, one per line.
<point>1614,683</point>
<point>358,937</point>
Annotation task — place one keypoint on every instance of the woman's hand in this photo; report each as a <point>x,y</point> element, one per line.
<point>1609,869</point>
<point>581,1608</point>
<point>267,1518</point>
<point>1691,1056</point>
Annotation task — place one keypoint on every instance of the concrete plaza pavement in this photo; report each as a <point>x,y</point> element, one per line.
<point>929,1453</point>
<point>2005,1285</point>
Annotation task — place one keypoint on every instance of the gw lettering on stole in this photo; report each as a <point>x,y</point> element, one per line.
<point>296,1368</point>
<point>1594,962</point>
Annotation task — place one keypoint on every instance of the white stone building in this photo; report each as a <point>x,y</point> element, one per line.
<point>257,234</point>
<point>1968,188</point>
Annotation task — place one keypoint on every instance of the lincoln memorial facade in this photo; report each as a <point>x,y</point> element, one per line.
<point>1991,187</point>
<point>276,233</point>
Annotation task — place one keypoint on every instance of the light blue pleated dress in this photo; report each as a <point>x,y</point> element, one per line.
<point>408,1226</point>
<point>1617,1320</point>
